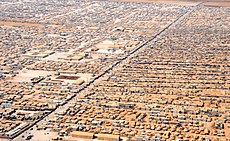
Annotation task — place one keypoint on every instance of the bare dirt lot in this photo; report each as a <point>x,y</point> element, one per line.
<point>164,1</point>
<point>209,3</point>
<point>20,24</point>
<point>217,4</point>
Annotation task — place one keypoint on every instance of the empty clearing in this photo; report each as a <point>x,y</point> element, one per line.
<point>27,75</point>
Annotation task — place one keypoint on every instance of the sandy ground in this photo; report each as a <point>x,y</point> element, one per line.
<point>209,3</point>
<point>191,3</point>
<point>104,44</point>
<point>20,24</point>
<point>81,139</point>
<point>103,47</point>
<point>26,75</point>
<point>55,56</point>
<point>106,51</point>
<point>85,76</point>
<point>38,135</point>
<point>217,4</point>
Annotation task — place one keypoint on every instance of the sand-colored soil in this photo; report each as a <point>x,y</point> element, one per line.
<point>209,3</point>
<point>217,4</point>
<point>20,24</point>
<point>26,75</point>
<point>164,1</point>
